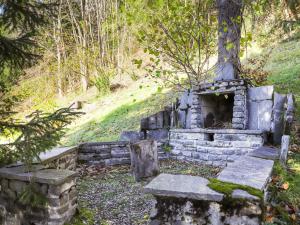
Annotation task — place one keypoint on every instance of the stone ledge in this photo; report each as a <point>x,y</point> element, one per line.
<point>217,131</point>
<point>56,153</point>
<point>44,176</point>
<point>182,186</point>
<point>250,171</point>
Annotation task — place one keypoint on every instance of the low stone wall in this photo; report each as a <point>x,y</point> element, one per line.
<point>196,212</point>
<point>213,147</point>
<point>110,153</point>
<point>64,158</point>
<point>56,187</point>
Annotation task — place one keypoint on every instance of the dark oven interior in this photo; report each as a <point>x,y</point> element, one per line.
<point>217,110</point>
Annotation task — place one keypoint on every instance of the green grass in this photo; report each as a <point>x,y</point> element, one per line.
<point>284,68</point>
<point>107,116</point>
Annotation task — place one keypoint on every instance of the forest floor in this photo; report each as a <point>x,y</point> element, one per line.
<point>111,196</point>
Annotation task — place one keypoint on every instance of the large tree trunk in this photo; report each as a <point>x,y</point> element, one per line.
<point>230,22</point>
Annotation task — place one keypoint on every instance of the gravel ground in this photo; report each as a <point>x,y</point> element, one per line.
<point>110,196</point>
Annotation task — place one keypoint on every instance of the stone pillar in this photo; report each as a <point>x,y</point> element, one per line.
<point>144,159</point>
<point>195,111</point>
<point>239,119</point>
<point>285,141</point>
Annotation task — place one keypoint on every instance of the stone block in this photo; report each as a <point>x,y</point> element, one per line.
<point>122,153</point>
<point>241,194</point>
<point>239,103</point>
<point>225,72</point>
<point>182,186</point>
<point>131,136</point>
<point>238,114</point>
<point>17,186</point>
<point>239,109</point>
<point>116,161</point>
<point>59,189</point>
<point>237,126</point>
<point>261,93</point>
<point>285,142</point>
<point>238,120</point>
<point>144,159</point>
<point>278,117</point>
<point>161,134</point>
<point>250,171</point>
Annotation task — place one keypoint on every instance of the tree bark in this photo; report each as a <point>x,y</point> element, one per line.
<point>230,22</point>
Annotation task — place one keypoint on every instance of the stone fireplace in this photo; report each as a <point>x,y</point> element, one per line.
<point>221,104</point>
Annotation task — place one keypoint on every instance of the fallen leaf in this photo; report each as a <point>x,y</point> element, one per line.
<point>294,217</point>
<point>269,218</point>
<point>285,186</point>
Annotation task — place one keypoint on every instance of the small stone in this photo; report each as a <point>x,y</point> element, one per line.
<point>285,142</point>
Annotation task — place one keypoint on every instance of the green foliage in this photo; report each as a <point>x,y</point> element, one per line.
<point>227,188</point>
<point>40,132</point>
<point>84,216</point>
<point>102,81</point>
<point>32,196</point>
<point>180,39</point>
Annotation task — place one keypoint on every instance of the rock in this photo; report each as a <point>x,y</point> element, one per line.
<point>144,159</point>
<point>241,194</point>
<point>261,93</point>
<point>278,112</point>
<point>131,136</point>
<point>225,72</point>
<point>250,171</point>
<point>285,142</point>
<point>182,186</point>
<point>161,134</point>
<point>265,153</point>
<point>289,114</point>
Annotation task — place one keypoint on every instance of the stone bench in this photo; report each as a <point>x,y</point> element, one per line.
<point>56,187</point>
<point>183,199</point>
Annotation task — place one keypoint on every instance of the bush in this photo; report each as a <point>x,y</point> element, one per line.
<point>102,81</point>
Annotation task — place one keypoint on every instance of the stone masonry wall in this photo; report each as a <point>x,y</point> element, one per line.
<point>110,153</point>
<point>60,207</point>
<point>66,161</point>
<point>196,212</point>
<point>217,148</point>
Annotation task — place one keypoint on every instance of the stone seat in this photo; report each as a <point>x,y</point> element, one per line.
<point>250,171</point>
<point>182,186</point>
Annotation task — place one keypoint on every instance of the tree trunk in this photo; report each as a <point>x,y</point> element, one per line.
<point>144,159</point>
<point>230,22</point>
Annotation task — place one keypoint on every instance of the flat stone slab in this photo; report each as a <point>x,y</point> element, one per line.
<point>40,175</point>
<point>241,194</point>
<point>217,131</point>
<point>250,171</point>
<point>55,153</point>
<point>182,186</point>
<point>265,153</point>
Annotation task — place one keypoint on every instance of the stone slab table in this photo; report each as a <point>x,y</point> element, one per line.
<point>187,200</point>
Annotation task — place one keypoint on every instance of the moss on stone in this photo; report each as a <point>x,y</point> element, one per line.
<point>227,188</point>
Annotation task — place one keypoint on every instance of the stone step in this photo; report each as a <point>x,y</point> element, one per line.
<point>214,143</point>
<point>223,151</point>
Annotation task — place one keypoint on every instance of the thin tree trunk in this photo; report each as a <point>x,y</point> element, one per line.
<point>230,22</point>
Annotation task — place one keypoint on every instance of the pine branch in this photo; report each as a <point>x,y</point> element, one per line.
<point>41,132</point>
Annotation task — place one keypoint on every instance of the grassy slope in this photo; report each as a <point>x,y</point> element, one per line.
<point>108,116</point>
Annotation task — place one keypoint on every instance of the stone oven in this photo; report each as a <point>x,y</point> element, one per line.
<point>220,104</point>
<point>217,122</point>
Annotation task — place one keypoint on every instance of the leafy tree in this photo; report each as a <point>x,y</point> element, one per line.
<point>19,20</point>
